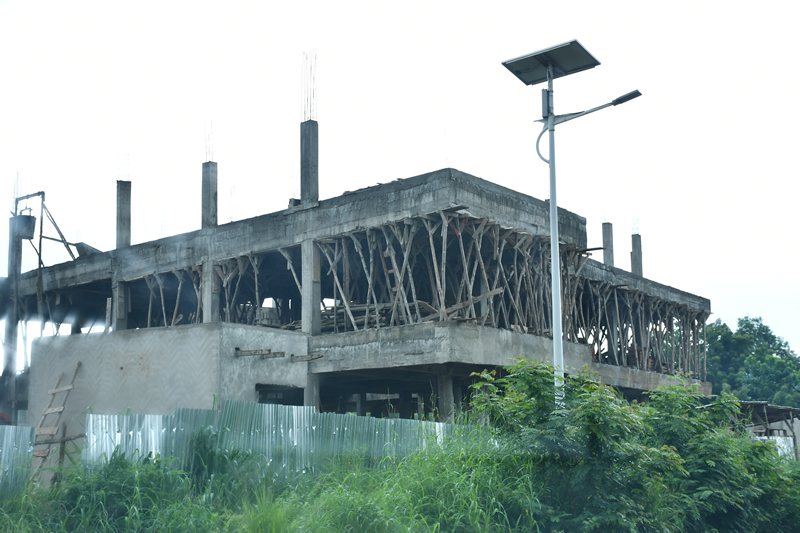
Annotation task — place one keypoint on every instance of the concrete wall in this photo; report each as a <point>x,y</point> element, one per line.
<point>147,371</point>
<point>240,375</point>
<point>155,370</point>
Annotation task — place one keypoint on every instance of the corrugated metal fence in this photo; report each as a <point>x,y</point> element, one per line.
<point>16,454</point>
<point>283,439</point>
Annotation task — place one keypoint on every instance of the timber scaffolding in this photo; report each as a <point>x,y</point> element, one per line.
<point>400,274</point>
<point>446,265</point>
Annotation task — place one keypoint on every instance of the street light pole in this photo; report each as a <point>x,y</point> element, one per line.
<point>555,259</point>
<point>545,65</point>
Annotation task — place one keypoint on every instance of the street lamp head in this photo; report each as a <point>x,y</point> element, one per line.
<point>626,98</point>
<point>566,58</point>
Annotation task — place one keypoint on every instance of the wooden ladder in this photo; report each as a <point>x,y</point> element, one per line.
<point>41,455</point>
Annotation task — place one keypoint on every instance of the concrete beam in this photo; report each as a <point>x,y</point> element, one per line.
<point>123,213</point>
<point>455,342</point>
<point>350,212</point>
<point>618,277</point>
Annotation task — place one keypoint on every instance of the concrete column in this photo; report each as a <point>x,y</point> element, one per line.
<point>209,196</point>
<point>311,392</point>
<point>482,307</point>
<point>636,254</point>
<point>361,404</point>
<point>444,386</point>
<point>120,292</point>
<point>421,405</point>
<point>458,395</point>
<point>8,404</point>
<point>312,290</point>
<point>123,213</point>
<point>608,244</point>
<point>405,405</point>
<point>210,293</point>
<point>309,161</point>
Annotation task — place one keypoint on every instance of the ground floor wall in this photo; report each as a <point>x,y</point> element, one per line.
<point>155,370</point>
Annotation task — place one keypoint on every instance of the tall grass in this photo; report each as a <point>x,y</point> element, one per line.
<point>466,482</point>
<point>469,482</point>
<point>596,463</point>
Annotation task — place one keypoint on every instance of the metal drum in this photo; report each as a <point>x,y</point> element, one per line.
<point>24,226</point>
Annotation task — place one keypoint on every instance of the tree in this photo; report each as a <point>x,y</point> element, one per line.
<point>752,363</point>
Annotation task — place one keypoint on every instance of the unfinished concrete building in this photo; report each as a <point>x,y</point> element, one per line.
<point>383,300</point>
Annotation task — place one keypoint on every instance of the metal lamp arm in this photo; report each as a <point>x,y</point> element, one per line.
<point>560,119</point>
<point>539,138</point>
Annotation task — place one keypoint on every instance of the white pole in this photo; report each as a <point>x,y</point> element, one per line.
<point>555,262</point>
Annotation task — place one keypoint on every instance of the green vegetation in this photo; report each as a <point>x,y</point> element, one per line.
<point>595,463</point>
<point>752,363</point>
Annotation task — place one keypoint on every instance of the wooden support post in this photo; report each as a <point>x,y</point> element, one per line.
<point>150,300</point>
<point>62,446</point>
<point>325,250</point>
<point>161,293</point>
<point>178,275</point>
<point>444,263</point>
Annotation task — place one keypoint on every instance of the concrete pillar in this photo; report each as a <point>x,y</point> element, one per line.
<point>210,293</point>
<point>311,392</point>
<point>9,403</point>
<point>421,405</point>
<point>120,292</point>
<point>309,161</point>
<point>123,213</point>
<point>608,244</point>
<point>482,307</point>
<point>405,405</point>
<point>209,195</point>
<point>458,395</point>
<point>312,290</point>
<point>636,254</point>
<point>361,404</point>
<point>444,386</point>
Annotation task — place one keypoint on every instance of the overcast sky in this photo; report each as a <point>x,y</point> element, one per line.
<point>703,163</point>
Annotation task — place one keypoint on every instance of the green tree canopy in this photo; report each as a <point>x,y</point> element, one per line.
<point>752,363</point>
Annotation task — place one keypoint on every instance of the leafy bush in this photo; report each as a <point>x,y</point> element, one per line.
<point>674,464</point>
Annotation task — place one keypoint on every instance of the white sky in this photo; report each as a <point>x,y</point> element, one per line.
<point>92,92</point>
